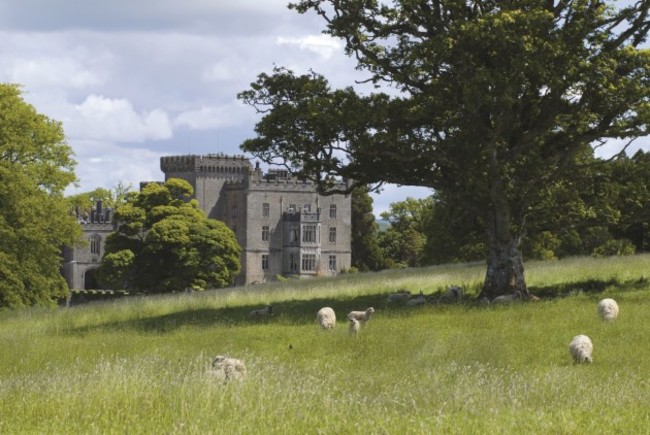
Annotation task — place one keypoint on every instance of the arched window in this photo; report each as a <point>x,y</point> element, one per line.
<point>95,244</point>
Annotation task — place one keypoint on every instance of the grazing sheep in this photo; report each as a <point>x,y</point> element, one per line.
<point>608,309</point>
<point>326,318</point>
<point>581,348</point>
<point>455,293</point>
<point>354,327</point>
<point>507,299</point>
<point>417,300</point>
<point>262,312</point>
<point>361,316</point>
<point>401,296</point>
<point>228,369</point>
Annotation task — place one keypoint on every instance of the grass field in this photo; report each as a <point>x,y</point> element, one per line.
<point>139,365</point>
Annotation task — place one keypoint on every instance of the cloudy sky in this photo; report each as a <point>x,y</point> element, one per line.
<point>135,80</point>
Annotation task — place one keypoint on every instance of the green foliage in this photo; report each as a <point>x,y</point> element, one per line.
<point>166,243</point>
<point>366,254</point>
<point>459,368</point>
<point>499,102</point>
<point>35,168</point>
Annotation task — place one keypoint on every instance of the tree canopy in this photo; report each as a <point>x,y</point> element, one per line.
<point>36,166</point>
<point>166,243</point>
<point>493,102</point>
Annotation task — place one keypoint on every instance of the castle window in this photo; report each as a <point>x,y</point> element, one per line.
<point>266,210</point>
<point>332,211</point>
<point>294,234</point>
<point>307,208</point>
<point>265,262</point>
<point>309,262</point>
<point>293,262</point>
<point>292,208</point>
<point>265,233</point>
<point>332,237</point>
<point>95,243</point>
<point>332,263</point>
<point>309,234</point>
<point>234,210</point>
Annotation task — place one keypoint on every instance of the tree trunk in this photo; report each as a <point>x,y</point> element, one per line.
<point>505,267</point>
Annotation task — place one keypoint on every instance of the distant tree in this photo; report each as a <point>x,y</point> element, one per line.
<point>494,102</point>
<point>632,174</point>
<point>166,243</point>
<point>404,241</point>
<point>366,254</point>
<point>35,168</point>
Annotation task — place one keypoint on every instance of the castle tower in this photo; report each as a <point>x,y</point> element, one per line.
<point>207,175</point>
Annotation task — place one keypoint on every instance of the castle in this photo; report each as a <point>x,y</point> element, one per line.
<point>284,226</point>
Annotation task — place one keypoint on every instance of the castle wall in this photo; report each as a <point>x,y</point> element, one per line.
<point>82,260</point>
<point>284,226</point>
<point>207,174</point>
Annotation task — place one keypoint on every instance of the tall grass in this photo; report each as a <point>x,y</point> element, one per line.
<point>139,365</point>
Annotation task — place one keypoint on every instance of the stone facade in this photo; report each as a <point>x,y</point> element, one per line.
<point>284,226</point>
<point>80,262</point>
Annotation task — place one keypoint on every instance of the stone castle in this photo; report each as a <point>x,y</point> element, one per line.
<point>284,226</point>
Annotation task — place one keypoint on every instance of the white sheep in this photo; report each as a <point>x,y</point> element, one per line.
<point>354,327</point>
<point>400,297</point>
<point>608,309</point>
<point>507,299</point>
<point>262,312</point>
<point>228,369</point>
<point>581,348</point>
<point>361,316</point>
<point>417,300</point>
<point>326,318</point>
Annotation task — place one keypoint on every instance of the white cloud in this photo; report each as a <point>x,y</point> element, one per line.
<point>323,45</point>
<point>109,119</point>
<point>103,164</point>
<point>212,117</point>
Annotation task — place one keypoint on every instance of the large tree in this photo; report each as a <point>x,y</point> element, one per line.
<point>491,102</point>
<point>36,166</point>
<point>166,243</point>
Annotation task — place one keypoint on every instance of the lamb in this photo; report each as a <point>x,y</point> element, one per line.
<point>401,296</point>
<point>417,300</point>
<point>608,309</point>
<point>354,327</point>
<point>326,318</point>
<point>228,369</point>
<point>361,316</point>
<point>507,299</point>
<point>581,348</point>
<point>262,312</point>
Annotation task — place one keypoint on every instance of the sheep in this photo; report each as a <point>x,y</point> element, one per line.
<point>507,299</point>
<point>608,309</point>
<point>228,369</point>
<point>326,318</point>
<point>354,327</point>
<point>455,293</point>
<point>581,348</point>
<point>417,300</point>
<point>361,316</point>
<point>262,312</point>
<point>401,296</point>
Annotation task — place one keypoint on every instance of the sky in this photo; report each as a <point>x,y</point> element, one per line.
<point>133,81</point>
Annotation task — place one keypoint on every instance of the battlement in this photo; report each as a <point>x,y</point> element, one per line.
<point>211,163</point>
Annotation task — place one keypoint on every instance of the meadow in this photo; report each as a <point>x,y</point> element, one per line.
<point>139,365</point>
